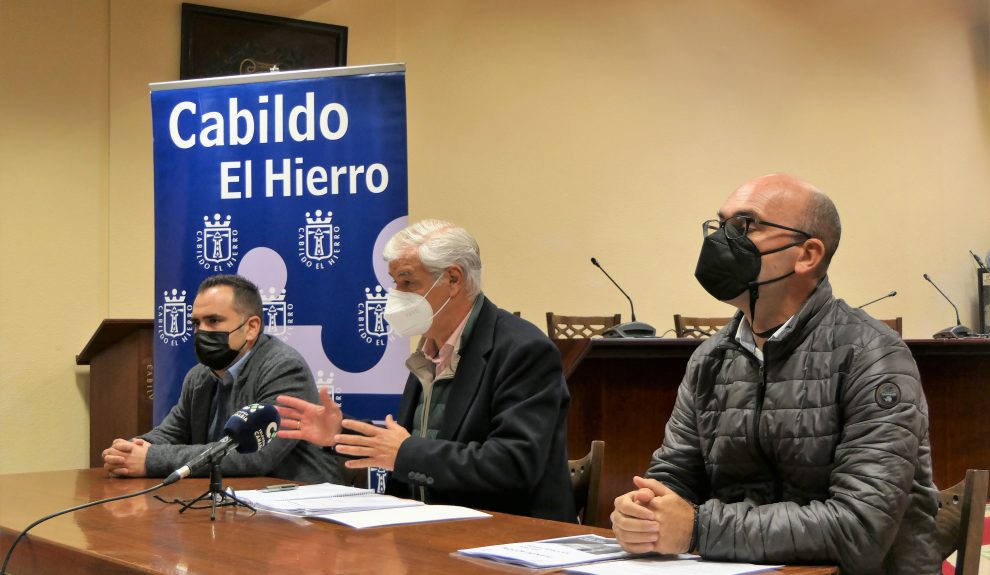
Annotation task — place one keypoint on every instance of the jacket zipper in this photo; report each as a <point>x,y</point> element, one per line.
<point>778,488</point>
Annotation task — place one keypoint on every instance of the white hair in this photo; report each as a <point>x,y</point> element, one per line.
<point>439,245</point>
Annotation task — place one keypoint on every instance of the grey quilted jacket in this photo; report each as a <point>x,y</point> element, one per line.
<point>820,455</point>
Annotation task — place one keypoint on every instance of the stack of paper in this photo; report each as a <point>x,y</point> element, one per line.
<point>671,565</point>
<point>602,556</point>
<point>419,514</point>
<point>320,499</point>
<point>351,506</point>
<point>548,553</point>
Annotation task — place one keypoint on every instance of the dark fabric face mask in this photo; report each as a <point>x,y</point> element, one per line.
<point>213,348</point>
<point>728,268</point>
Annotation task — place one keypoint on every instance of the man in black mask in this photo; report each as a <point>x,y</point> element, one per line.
<point>239,365</point>
<point>800,430</point>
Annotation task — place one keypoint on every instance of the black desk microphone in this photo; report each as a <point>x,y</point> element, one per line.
<point>630,328</point>
<point>955,331</point>
<point>891,294</point>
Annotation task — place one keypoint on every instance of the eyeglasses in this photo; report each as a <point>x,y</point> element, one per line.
<point>738,226</point>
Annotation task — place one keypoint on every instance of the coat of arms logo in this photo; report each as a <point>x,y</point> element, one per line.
<point>371,316</point>
<point>174,323</point>
<point>216,244</point>
<point>319,241</point>
<point>277,313</point>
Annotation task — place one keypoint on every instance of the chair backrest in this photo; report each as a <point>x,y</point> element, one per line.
<point>579,326</point>
<point>586,476</point>
<point>895,324</point>
<point>698,327</point>
<point>959,523</point>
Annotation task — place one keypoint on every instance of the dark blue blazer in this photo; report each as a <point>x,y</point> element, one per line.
<point>502,444</point>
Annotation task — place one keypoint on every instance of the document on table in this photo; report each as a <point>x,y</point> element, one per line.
<point>671,565</point>
<point>558,552</point>
<point>401,516</point>
<point>322,498</point>
<point>351,506</point>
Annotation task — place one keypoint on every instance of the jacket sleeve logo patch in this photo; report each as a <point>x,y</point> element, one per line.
<point>888,395</point>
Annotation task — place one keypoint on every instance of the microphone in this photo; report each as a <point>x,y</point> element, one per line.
<point>979,262</point>
<point>630,328</point>
<point>891,294</point>
<point>248,430</point>
<point>958,330</point>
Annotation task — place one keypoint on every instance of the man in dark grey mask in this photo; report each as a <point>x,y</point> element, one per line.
<point>800,431</point>
<point>239,365</point>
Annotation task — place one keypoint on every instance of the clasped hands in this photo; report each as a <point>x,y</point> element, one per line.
<point>126,458</point>
<point>653,518</point>
<point>324,424</point>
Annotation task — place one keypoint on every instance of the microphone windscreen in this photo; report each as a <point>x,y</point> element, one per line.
<point>253,426</point>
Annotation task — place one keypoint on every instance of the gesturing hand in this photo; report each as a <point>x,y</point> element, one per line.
<point>376,446</point>
<point>308,421</point>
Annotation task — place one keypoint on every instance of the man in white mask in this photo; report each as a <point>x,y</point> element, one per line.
<point>483,418</point>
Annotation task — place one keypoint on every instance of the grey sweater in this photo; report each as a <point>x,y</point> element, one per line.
<point>271,369</point>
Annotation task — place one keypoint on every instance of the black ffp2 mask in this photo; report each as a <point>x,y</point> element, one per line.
<point>213,348</point>
<point>728,268</point>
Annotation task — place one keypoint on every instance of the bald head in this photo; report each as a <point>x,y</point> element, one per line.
<point>794,202</point>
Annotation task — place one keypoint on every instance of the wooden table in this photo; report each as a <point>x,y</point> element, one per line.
<point>142,535</point>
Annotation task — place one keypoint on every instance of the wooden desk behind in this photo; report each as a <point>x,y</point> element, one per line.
<point>614,382</point>
<point>143,535</point>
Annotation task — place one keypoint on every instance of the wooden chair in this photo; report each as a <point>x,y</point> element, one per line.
<point>698,327</point>
<point>895,324</point>
<point>586,475</point>
<point>959,523</point>
<point>579,326</point>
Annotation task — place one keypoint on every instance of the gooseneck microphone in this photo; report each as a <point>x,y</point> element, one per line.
<point>632,309</point>
<point>631,328</point>
<point>958,330</point>
<point>979,262</point>
<point>248,430</point>
<point>891,294</point>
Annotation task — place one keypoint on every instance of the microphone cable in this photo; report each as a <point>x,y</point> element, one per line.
<point>6,559</point>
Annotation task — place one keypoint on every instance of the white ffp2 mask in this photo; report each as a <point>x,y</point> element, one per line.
<point>409,313</point>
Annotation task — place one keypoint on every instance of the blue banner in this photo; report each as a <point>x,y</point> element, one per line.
<point>294,180</point>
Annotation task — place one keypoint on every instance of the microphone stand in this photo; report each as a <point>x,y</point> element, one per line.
<point>630,328</point>
<point>891,294</point>
<point>951,332</point>
<point>216,494</point>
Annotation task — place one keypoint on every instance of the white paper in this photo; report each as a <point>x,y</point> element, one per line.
<point>260,496</point>
<point>400,516</point>
<point>323,505</point>
<point>671,565</point>
<point>557,552</point>
<point>307,500</point>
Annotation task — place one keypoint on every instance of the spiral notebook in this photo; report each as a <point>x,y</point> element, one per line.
<point>321,499</point>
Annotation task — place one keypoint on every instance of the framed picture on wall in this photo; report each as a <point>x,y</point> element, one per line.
<point>220,42</point>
